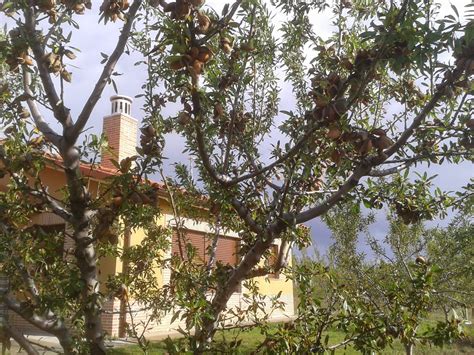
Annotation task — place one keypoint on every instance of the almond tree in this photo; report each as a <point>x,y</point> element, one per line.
<point>390,89</point>
<point>41,51</point>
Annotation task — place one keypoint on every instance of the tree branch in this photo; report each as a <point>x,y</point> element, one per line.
<point>425,156</point>
<point>40,123</point>
<point>281,262</point>
<point>54,326</point>
<point>109,67</point>
<point>365,167</point>
<point>440,92</point>
<point>27,279</point>
<point>20,339</point>
<point>61,112</point>
<point>390,171</point>
<point>53,204</point>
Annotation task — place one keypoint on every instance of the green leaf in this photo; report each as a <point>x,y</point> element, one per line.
<point>7,5</point>
<point>455,10</point>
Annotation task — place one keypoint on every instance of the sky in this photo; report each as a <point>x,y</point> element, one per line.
<point>94,38</point>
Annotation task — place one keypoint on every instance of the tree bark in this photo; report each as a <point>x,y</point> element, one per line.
<point>206,332</point>
<point>85,254</point>
<point>54,325</point>
<point>21,340</point>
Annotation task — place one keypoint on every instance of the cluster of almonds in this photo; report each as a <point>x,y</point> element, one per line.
<point>148,141</point>
<point>19,52</point>
<point>180,9</point>
<point>45,5</point>
<point>78,6</point>
<point>194,59</point>
<point>239,121</point>
<point>362,141</point>
<point>114,9</point>
<point>226,45</point>
<point>330,107</point>
<point>54,63</point>
<point>144,195</point>
<point>467,140</point>
<point>203,22</point>
<point>49,7</point>
<point>18,57</point>
<point>407,213</point>
<point>184,117</point>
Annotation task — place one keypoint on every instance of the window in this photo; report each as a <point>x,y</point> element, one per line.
<point>226,252</point>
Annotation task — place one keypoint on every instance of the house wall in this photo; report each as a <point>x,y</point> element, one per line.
<point>268,286</point>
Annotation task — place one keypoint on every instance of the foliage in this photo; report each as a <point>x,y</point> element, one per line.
<point>388,90</point>
<point>251,338</point>
<point>379,300</point>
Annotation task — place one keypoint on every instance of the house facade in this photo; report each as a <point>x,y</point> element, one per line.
<point>121,130</point>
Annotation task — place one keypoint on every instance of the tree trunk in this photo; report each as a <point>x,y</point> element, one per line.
<point>85,254</point>
<point>205,333</point>
<point>409,349</point>
<point>21,340</point>
<point>52,325</point>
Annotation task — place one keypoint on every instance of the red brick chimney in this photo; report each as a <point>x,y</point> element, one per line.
<point>121,130</point>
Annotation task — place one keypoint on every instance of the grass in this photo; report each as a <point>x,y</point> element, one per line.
<point>252,338</point>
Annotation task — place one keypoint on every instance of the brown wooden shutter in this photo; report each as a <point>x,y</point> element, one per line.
<point>227,250</point>
<point>197,239</point>
<point>226,247</point>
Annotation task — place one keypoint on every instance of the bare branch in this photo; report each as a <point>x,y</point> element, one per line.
<point>215,241</point>
<point>53,204</point>
<point>27,279</point>
<point>246,216</point>
<point>440,92</point>
<point>349,184</point>
<point>390,171</point>
<point>40,123</point>
<point>426,156</point>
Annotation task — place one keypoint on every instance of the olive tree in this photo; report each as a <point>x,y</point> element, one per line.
<point>388,90</point>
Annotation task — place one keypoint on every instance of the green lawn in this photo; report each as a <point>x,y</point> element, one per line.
<point>252,338</point>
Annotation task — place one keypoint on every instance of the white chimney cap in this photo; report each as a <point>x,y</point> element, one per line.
<point>121,97</point>
<point>121,104</point>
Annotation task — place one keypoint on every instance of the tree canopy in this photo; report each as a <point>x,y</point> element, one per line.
<point>390,89</point>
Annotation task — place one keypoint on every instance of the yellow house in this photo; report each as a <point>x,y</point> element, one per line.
<point>121,130</point>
